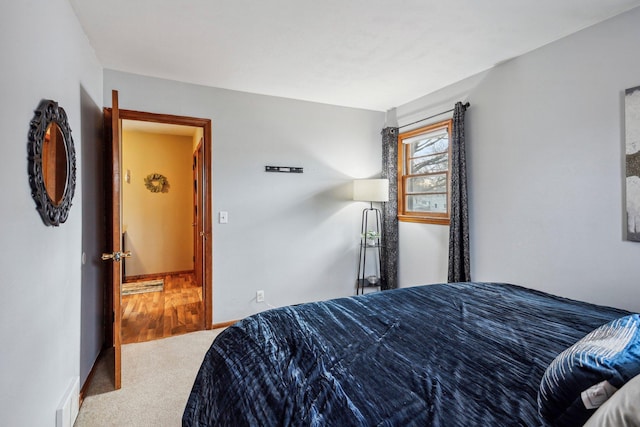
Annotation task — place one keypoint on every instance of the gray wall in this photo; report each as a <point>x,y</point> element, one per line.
<point>292,235</point>
<point>40,289</point>
<point>545,137</point>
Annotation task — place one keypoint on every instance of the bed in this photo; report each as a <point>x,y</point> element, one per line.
<point>461,354</point>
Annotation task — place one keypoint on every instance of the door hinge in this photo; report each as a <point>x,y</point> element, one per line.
<point>113,317</point>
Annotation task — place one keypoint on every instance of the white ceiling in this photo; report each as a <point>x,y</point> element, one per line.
<point>373,54</point>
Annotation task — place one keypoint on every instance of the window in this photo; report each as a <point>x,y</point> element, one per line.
<point>424,174</point>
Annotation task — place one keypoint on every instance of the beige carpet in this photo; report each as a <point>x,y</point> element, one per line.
<point>157,377</point>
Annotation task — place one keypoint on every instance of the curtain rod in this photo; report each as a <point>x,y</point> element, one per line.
<point>465,105</point>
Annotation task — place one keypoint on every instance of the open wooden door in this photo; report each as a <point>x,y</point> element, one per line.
<point>114,226</point>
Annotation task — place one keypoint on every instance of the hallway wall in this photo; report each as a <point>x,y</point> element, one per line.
<point>158,226</point>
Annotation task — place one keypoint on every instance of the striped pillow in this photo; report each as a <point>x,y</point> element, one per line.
<point>586,374</point>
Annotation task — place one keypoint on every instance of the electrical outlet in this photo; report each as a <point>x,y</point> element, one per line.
<point>259,296</point>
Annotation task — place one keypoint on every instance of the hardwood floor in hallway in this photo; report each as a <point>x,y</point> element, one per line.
<point>175,310</point>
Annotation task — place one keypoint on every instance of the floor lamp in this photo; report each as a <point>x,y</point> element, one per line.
<point>370,190</point>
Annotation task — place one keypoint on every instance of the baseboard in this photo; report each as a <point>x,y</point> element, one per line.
<point>223,324</point>
<point>87,382</point>
<point>154,275</point>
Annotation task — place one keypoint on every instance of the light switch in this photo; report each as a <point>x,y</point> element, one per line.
<point>223,217</point>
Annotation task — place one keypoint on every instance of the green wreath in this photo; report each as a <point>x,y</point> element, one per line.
<point>156,183</point>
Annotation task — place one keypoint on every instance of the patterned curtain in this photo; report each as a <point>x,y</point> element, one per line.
<point>459,260</point>
<point>389,267</point>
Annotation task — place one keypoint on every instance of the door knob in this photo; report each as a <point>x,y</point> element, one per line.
<point>116,256</point>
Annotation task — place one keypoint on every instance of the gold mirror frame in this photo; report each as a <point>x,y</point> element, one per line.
<point>54,209</point>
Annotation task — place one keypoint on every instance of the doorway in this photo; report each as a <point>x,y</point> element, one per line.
<point>200,173</point>
<point>162,284</point>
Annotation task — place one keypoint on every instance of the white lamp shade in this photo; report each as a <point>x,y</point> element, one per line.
<point>371,190</point>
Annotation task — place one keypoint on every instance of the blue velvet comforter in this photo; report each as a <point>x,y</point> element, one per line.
<point>465,354</point>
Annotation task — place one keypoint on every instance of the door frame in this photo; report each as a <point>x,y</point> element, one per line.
<point>198,204</point>
<point>205,124</point>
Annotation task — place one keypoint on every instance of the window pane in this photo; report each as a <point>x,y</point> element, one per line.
<point>424,168</point>
<point>432,143</point>
<point>427,184</point>
<point>427,203</point>
<point>429,164</point>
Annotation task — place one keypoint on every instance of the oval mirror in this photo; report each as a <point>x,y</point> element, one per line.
<point>52,163</point>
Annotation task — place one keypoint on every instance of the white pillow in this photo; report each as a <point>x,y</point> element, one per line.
<point>620,410</point>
